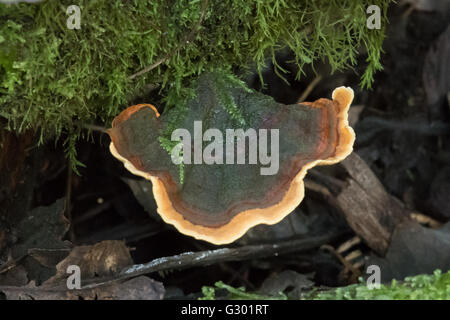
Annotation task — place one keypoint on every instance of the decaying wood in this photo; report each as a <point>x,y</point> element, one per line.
<point>370,211</point>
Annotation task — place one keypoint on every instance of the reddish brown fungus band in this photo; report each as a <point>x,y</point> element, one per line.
<point>174,201</point>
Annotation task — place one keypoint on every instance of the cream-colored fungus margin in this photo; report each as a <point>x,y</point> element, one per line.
<point>245,220</point>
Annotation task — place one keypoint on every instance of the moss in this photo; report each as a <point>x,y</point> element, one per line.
<point>53,79</point>
<point>209,293</point>
<point>419,287</point>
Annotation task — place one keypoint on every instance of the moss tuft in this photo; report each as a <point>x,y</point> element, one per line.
<point>420,287</point>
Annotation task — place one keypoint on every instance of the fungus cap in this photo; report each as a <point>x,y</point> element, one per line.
<point>218,203</point>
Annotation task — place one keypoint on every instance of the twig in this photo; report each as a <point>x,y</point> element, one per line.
<point>153,66</point>
<point>424,219</point>
<point>345,262</point>
<point>348,244</point>
<point>209,257</point>
<point>195,259</point>
<point>309,88</point>
<point>94,127</point>
<point>10,264</point>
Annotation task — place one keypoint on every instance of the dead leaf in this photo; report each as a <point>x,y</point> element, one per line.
<point>290,282</point>
<point>42,228</point>
<point>100,260</point>
<point>48,257</point>
<point>38,240</point>
<point>140,288</point>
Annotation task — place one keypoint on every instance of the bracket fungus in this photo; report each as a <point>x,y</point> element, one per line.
<point>219,202</point>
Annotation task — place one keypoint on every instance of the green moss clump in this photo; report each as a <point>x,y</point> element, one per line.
<point>420,287</point>
<point>209,293</point>
<point>54,80</point>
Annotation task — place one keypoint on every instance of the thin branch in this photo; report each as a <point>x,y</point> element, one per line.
<point>209,257</point>
<point>153,66</point>
<point>94,127</point>
<point>309,88</point>
<point>194,259</point>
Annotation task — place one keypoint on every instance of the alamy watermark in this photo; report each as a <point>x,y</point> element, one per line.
<point>74,280</point>
<point>229,150</point>
<point>374,20</point>
<point>74,19</point>
<point>374,280</point>
<point>74,15</point>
